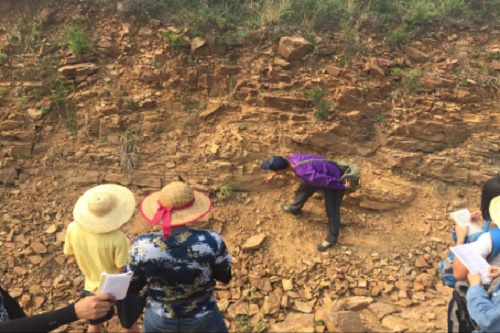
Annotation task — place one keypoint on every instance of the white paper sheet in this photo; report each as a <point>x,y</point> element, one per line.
<point>462,218</point>
<point>473,261</point>
<point>115,284</point>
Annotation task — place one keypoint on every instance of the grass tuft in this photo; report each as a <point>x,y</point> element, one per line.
<point>77,40</point>
<point>3,57</point>
<point>128,150</point>
<point>321,106</point>
<point>226,189</point>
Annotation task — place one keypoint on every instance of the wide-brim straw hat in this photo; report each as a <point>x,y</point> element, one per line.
<point>494,210</point>
<point>104,208</point>
<point>175,204</point>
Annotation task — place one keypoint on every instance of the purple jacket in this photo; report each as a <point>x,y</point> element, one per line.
<point>317,173</point>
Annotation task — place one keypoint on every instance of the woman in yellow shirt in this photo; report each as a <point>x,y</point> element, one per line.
<point>97,244</point>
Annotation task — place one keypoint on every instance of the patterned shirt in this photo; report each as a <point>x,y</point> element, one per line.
<point>179,271</point>
<point>4,316</point>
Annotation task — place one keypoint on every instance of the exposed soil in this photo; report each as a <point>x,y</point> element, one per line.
<point>207,115</point>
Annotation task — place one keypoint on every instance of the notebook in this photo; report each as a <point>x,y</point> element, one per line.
<point>473,261</point>
<point>115,284</point>
<point>462,218</point>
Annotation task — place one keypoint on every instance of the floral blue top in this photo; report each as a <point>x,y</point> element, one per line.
<point>180,271</point>
<point>4,316</point>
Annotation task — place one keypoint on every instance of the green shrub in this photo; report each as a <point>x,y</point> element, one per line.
<point>485,9</point>
<point>72,126</point>
<point>453,8</point>
<point>409,79</point>
<point>77,40</point>
<point>421,12</point>
<point>226,189</point>
<point>321,106</point>
<point>27,35</point>
<point>45,109</point>
<point>384,6</point>
<point>397,71</point>
<point>175,40</point>
<point>270,12</point>
<point>489,55</point>
<point>415,73</point>
<point>71,119</point>
<point>3,57</point>
<point>59,95</point>
<point>414,86</point>
<point>132,106</point>
<point>315,15</point>
<point>307,15</point>
<point>380,118</point>
<point>21,103</point>
<point>398,36</point>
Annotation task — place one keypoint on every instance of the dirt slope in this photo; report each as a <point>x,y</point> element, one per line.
<point>421,121</point>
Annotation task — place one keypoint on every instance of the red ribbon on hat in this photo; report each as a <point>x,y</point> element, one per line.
<point>163,213</point>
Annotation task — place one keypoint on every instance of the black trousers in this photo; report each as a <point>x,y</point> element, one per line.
<point>333,200</point>
<point>11,306</point>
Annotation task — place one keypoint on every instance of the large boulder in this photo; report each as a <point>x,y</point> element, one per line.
<point>294,48</point>
<point>384,194</point>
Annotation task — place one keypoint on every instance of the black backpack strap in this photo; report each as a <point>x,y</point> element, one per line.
<point>463,315</point>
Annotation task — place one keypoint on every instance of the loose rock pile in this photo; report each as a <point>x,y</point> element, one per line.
<point>420,122</point>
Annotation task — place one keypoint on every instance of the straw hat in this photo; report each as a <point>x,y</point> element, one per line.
<point>495,210</point>
<point>176,204</point>
<point>104,208</point>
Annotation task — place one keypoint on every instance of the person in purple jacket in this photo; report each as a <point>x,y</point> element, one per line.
<point>316,172</point>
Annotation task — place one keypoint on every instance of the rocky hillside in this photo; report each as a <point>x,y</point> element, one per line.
<point>146,104</point>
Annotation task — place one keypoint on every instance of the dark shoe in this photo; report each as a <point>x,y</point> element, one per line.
<point>325,246</point>
<point>286,208</point>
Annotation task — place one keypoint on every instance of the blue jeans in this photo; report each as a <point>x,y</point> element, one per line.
<point>213,322</point>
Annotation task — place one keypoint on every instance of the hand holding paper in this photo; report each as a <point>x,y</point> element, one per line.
<point>476,217</point>
<point>474,279</point>
<point>473,261</point>
<point>115,284</point>
<point>463,218</point>
<point>494,271</point>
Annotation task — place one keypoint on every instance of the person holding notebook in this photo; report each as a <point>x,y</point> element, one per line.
<point>485,311</point>
<point>97,244</point>
<point>179,265</point>
<point>483,246</point>
<point>13,319</point>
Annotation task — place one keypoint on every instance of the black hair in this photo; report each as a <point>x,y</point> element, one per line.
<point>491,189</point>
<point>287,165</point>
<point>278,163</point>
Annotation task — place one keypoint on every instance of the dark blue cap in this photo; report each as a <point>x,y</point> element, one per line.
<point>275,163</point>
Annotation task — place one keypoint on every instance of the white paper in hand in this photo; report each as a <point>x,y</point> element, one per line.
<point>115,284</point>
<point>462,218</point>
<point>473,261</point>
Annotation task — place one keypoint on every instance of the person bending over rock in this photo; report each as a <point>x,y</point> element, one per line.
<point>316,173</point>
